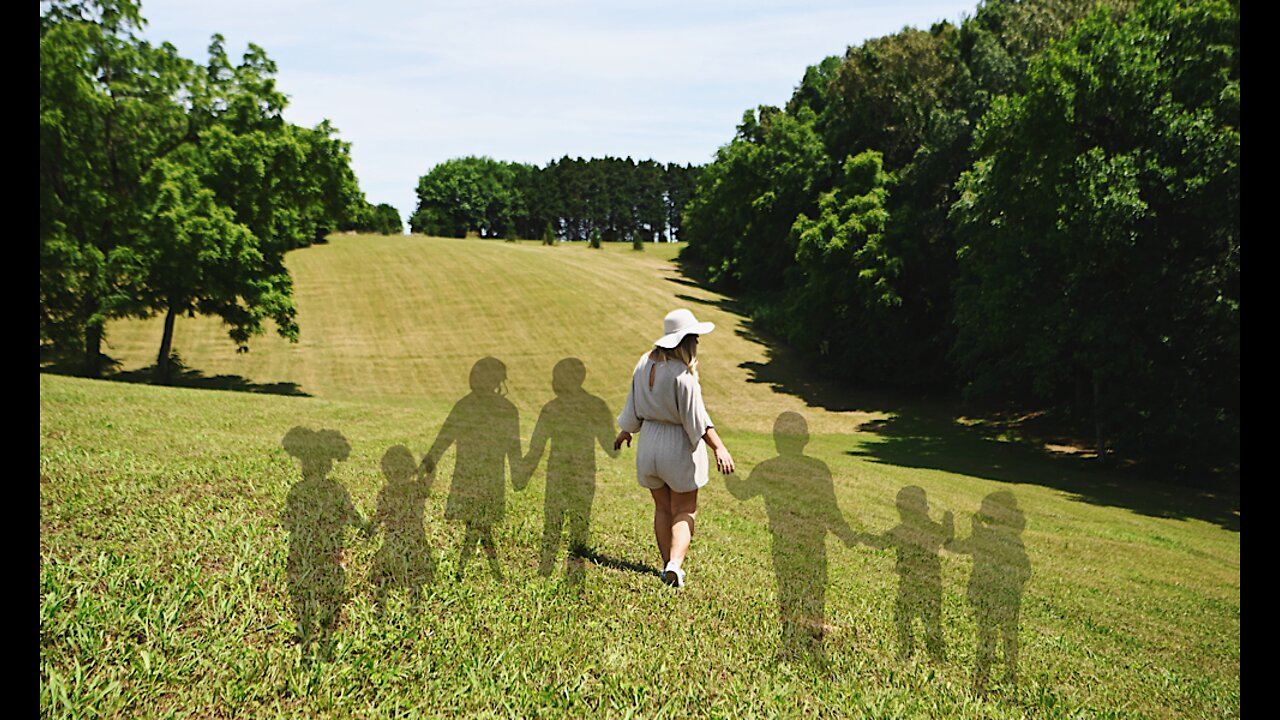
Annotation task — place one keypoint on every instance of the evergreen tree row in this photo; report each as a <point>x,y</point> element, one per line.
<point>617,199</point>
<point>1040,204</point>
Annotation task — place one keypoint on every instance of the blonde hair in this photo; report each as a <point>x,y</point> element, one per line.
<point>686,352</point>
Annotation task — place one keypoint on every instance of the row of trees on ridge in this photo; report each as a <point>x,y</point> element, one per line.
<point>617,199</point>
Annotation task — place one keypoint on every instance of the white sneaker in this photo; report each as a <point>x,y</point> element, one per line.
<point>673,576</point>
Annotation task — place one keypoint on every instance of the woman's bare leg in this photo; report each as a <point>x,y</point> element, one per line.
<point>684,507</point>
<point>662,521</point>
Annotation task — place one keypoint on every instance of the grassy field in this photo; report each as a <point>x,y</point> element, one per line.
<point>165,588</point>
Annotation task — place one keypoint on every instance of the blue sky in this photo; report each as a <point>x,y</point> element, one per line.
<point>411,84</point>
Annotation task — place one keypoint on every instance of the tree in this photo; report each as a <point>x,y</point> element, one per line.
<point>152,170</point>
<point>843,306</point>
<point>193,257</point>
<point>106,112</point>
<point>466,194</point>
<point>386,220</point>
<point>740,217</point>
<point>1101,232</point>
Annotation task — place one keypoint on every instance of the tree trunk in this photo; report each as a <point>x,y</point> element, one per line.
<point>1097,417</point>
<point>163,367</point>
<point>93,350</point>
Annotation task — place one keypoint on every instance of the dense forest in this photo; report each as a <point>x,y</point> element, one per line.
<point>169,187</point>
<point>1040,205</point>
<point>611,199</point>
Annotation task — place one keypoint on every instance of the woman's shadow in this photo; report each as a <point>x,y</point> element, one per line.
<point>573,422</point>
<point>485,426</point>
<point>799,497</point>
<point>317,510</point>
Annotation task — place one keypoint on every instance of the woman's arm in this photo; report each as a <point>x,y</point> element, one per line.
<point>724,461</point>
<point>629,421</point>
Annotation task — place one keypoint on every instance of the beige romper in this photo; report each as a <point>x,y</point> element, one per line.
<point>671,449</point>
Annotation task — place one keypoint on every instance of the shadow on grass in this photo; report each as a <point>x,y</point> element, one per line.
<point>924,433</point>
<point>572,423</point>
<point>590,555</point>
<point>182,377</point>
<point>939,443</point>
<point>800,500</point>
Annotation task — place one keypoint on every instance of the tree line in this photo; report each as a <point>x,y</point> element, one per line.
<point>169,187</point>
<point>1040,204</point>
<point>614,199</point>
<point>382,219</point>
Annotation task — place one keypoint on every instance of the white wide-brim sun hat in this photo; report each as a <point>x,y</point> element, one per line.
<point>679,323</point>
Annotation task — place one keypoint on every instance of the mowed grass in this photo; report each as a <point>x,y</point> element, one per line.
<point>164,588</point>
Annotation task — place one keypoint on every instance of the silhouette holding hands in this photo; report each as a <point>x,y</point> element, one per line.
<point>1000,570</point>
<point>574,422</point>
<point>799,497</point>
<point>404,561</point>
<point>316,511</point>
<point>485,425</point>
<point>917,540</point>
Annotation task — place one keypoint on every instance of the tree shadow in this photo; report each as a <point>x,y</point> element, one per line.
<point>937,442</point>
<point>317,509</point>
<point>485,426</point>
<point>799,497</point>
<point>181,376</point>
<point>573,422</point>
<point>784,370</point>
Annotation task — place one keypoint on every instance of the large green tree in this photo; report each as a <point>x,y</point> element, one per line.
<point>1101,232</point>
<point>145,158</point>
<point>107,111</point>
<point>475,194</point>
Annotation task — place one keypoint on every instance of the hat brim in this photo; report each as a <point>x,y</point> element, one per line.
<point>673,339</point>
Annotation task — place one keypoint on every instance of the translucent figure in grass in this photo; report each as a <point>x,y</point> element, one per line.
<point>317,510</point>
<point>917,540</point>
<point>405,560</point>
<point>800,498</point>
<point>1000,570</point>
<point>574,422</point>
<point>485,425</point>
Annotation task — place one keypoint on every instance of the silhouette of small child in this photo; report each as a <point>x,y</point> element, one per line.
<point>1000,570</point>
<point>316,511</point>
<point>917,540</point>
<point>574,421</point>
<point>404,560</point>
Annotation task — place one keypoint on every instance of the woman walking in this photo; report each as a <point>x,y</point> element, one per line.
<point>671,460</point>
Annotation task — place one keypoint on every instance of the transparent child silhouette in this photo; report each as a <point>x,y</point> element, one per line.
<point>917,540</point>
<point>1000,570</point>
<point>800,498</point>
<point>317,510</point>
<point>573,422</point>
<point>486,428</point>
<point>405,560</point>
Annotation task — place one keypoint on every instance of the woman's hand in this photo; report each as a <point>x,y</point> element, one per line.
<point>724,461</point>
<point>623,436</point>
